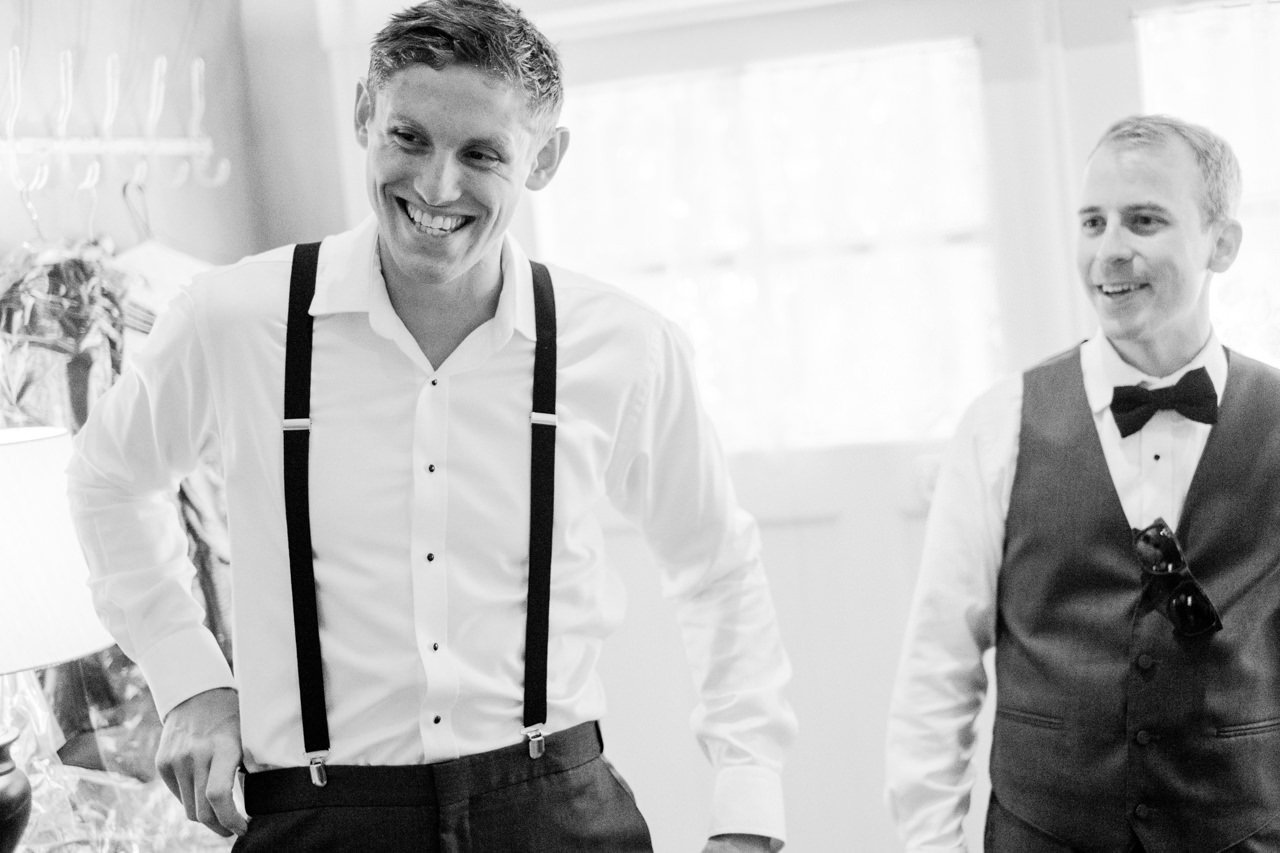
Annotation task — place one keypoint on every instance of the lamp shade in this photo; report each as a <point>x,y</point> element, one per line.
<point>46,617</point>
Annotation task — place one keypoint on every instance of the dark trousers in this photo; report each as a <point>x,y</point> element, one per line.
<point>1007,833</point>
<point>569,800</point>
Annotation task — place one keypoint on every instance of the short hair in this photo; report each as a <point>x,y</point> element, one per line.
<point>489,35</point>
<point>1219,168</point>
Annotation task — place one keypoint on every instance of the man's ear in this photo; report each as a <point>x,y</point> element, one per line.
<point>364,112</point>
<point>1226,246</point>
<point>549,158</point>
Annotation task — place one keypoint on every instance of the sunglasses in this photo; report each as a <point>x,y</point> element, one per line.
<point>1171,585</point>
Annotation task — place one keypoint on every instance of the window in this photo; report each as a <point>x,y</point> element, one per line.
<point>818,226</point>
<point>1220,66</point>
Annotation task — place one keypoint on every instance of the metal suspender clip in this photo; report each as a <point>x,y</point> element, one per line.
<point>543,418</point>
<point>318,777</point>
<point>537,743</point>
<point>297,423</point>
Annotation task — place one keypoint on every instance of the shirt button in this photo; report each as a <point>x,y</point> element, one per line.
<point>438,720</point>
<point>435,381</point>
<point>431,557</point>
<point>1143,737</point>
<point>1145,661</point>
<point>435,647</point>
<point>431,469</point>
<point>1142,811</point>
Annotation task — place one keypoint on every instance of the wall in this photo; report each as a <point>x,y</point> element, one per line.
<point>841,532</point>
<point>294,115</point>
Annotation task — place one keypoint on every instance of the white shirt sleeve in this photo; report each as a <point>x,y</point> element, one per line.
<point>122,480</point>
<point>670,477</point>
<point>941,680</point>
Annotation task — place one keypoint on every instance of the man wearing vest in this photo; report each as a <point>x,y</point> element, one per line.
<point>417,426</point>
<point>1109,523</point>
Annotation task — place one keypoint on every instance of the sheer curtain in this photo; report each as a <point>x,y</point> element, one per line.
<point>819,227</point>
<point>1219,65</point>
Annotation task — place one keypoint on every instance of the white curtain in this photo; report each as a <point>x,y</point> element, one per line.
<point>819,227</point>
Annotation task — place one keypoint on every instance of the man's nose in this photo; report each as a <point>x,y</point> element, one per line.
<point>1113,245</point>
<point>438,180</point>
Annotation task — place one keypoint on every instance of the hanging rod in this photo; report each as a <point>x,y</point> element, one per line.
<point>195,148</point>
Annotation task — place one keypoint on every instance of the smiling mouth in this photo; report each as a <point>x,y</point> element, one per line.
<point>437,226</point>
<point>1120,288</point>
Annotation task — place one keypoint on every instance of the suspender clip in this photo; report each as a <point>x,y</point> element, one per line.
<point>318,777</point>
<point>297,423</point>
<point>537,743</point>
<point>544,418</point>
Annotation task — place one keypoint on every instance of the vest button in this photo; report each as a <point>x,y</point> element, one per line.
<point>1143,737</point>
<point>1145,661</point>
<point>1141,811</point>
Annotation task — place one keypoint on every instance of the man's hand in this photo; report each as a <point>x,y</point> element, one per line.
<point>198,756</point>
<point>738,844</point>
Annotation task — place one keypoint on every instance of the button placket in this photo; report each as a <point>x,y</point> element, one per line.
<point>429,551</point>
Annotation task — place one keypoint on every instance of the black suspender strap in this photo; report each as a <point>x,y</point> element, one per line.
<point>297,434</point>
<point>297,440</point>
<point>541,505</point>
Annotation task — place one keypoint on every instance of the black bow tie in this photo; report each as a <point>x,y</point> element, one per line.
<point>1192,397</point>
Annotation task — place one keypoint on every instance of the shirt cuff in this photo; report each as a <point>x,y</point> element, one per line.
<point>183,665</point>
<point>748,800</point>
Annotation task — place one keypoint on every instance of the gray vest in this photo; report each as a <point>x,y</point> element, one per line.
<point>1106,719</point>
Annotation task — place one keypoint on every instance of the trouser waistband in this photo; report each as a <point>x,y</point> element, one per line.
<point>290,788</point>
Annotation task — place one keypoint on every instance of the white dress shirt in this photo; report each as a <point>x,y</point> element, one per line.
<point>420,520</point>
<point>941,680</point>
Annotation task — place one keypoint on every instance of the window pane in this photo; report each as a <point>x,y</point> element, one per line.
<point>1220,66</point>
<point>818,226</point>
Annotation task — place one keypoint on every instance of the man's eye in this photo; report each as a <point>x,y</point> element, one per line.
<point>483,157</point>
<point>406,137</point>
<point>1145,223</point>
<point>1092,224</point>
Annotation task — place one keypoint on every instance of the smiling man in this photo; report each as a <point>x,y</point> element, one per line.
<point>1109,523</point>
<point>417,426</point>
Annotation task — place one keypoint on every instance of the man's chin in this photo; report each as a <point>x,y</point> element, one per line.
<point>426,265</point>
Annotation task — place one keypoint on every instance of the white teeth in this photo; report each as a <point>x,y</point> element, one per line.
<point>434,224</point>
<point>1114,289</point>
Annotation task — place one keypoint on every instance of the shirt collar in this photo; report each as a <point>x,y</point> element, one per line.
<point>517,289</point>
<point>347,269</point>
<point>349,280</point>
<point>1103,369</point>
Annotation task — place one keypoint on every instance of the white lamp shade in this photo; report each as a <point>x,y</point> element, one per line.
<point>45,613</point>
